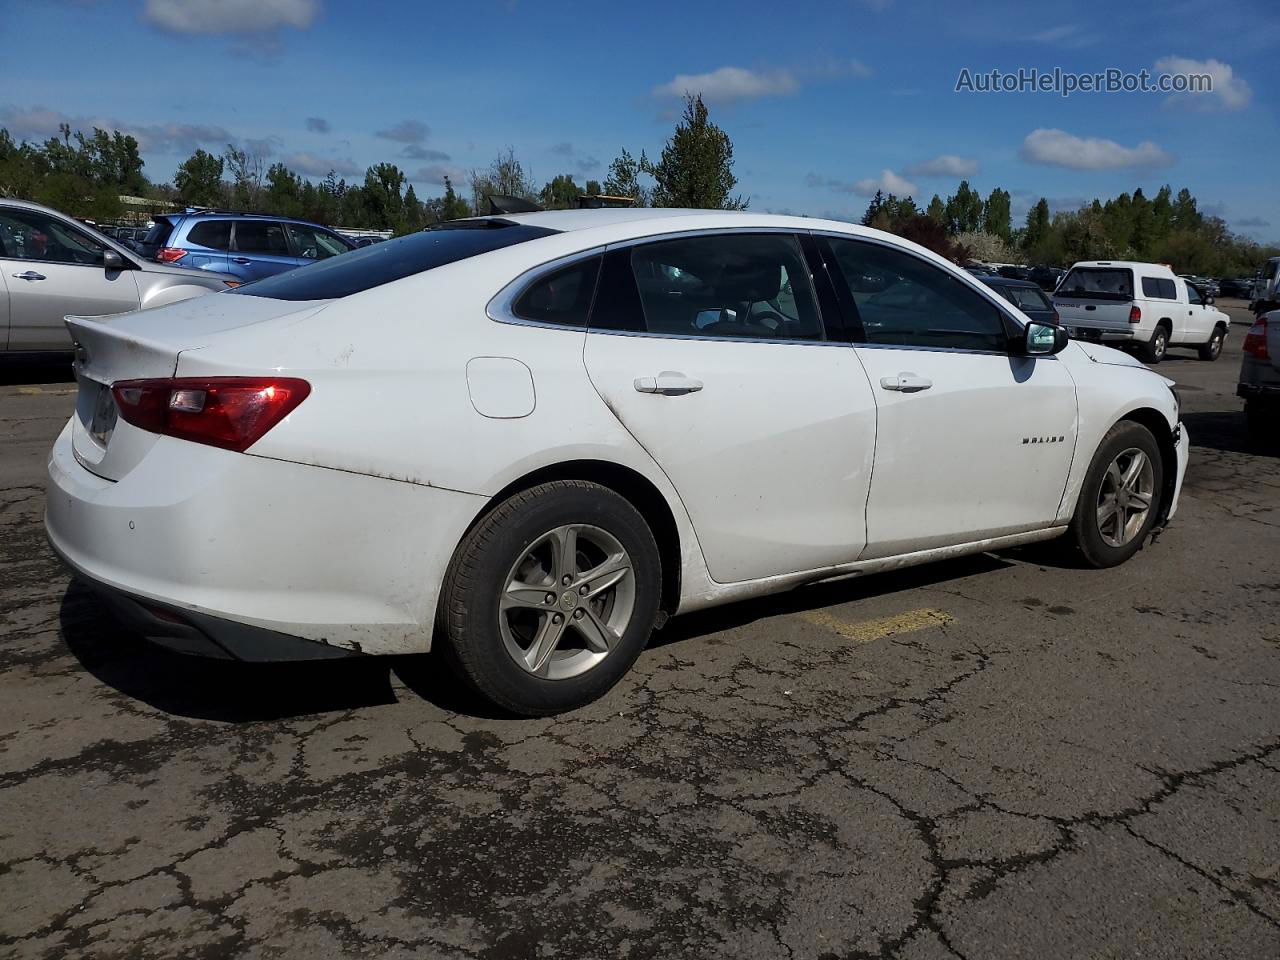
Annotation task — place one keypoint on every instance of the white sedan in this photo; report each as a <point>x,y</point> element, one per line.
<point>531,439</point>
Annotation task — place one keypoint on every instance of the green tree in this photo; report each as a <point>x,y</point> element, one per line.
<point>624,178</point>
<point>937,210</point>
<point>198,180</point>
<point>1037,224</point>
<point>505,177</point>
<point>995,214</point>
<point>696,166</point>
<point>964,209</point>
<point>874,209</point>
<point>284,192</point>
<point>560,193</point>
<point>453,206</point>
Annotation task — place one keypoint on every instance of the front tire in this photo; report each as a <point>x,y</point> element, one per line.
<point>1213,349</point>
<point>551,597</point>
<point>1121,496</point>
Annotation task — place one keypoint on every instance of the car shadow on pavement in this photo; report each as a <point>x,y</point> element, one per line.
<point>31,374</point>
<point>208,689</point>
<point>1225,430</point>
<point>819,595</point>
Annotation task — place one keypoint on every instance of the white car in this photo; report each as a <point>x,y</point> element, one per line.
<point>530,439</point>
<point>1144,305</point>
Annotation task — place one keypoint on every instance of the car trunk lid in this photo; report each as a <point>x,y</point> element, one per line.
<point>146,345</point>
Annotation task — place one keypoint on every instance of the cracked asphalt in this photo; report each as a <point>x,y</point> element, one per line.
<point>994,757</point>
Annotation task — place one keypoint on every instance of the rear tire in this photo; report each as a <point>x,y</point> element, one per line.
<point>1113,539</point>
<point>1213,349</point>
<point>1153,351</point>
<point>532,615</point>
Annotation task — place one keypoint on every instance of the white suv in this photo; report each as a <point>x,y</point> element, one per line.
<point>1140,304</point>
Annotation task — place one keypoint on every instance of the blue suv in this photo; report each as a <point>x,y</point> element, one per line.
<point>246,245</point>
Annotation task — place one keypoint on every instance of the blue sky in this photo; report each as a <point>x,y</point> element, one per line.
<point>824,101</point>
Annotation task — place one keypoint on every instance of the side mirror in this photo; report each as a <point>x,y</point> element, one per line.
<point>1044,339</point>
<point>113,261</point>
<point>1209,301</point>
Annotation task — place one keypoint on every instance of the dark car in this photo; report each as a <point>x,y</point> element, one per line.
<point>248,246</point>
<point>1025,295</point>
<point>1011,272</point>
<point>1238,287</point>
<point>1047,278</point>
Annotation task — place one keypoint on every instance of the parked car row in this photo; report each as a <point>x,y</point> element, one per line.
<point>52,265</point>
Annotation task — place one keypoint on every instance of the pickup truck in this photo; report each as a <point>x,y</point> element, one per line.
<point>1260,377</point>
<point>1140,305</point>
<point>1266,289</point>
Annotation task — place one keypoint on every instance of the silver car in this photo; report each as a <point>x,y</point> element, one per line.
<point>52,266</point>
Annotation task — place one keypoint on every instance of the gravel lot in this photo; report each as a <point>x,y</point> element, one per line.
<point>994,757</point>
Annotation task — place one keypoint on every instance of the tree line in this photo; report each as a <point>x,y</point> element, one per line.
<point>86,175</point>
<point>1166,228</point>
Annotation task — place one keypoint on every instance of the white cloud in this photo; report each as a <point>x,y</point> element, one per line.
<point>1065,35</point>
<point>1229,91</point>
<point>230,16</point>
<point>314,165</point>
<point>39,122</point>
<point>944,165</point>
<point>1057,148</point>
<point>406,131</point>
<point>888,181</point>
<point>731,84</point>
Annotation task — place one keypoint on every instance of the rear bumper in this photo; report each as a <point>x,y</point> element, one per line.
<point>1099,334</point>
<point>264,559</point>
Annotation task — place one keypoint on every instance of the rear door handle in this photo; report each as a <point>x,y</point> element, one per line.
<point>241,260</point>
<point>668,383</point>
<point>906,383</point>
<point>29,275</point>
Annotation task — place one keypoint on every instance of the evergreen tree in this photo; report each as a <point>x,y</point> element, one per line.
<point>995,214</point>
<point>696,166</point>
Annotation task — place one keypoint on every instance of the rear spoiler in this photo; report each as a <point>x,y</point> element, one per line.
<point>500,204</point>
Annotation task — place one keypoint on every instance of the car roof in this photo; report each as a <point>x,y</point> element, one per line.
<point>997,280</point>
<point>1158,267</point>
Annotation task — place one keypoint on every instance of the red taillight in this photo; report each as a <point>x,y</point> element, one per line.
<point>1135,315</point>
<point>170,254</point>
<point>1057,320</point>
<point>228,412</point>
<point>1255,341</point>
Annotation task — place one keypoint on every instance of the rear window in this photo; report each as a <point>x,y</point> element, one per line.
<point>1159,288</point>
<point>1098,283</point>
<point>1269,269</point>
<point>562,297</point>
<point>215,234</point>
<point>158,235</point>
<point>1028,298</point>
<point>380,263</point>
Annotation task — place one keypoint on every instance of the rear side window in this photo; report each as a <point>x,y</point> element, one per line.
<point>215,234</point>
<point>380,263</point>
<point>1269,269</point>
<point>1099,283</point>
<point>744,286</point>
<point>562,297</point>
<point>1159,288</point>
<point>261,236</point>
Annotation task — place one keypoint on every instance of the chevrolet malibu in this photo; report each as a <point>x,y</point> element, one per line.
<point>531,439</point>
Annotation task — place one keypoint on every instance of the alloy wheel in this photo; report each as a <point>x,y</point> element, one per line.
<point>1125,497</point>
<point>567,601</point>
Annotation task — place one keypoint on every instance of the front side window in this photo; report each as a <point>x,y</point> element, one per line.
<point>261,236</point>
<point>1193,294</point>
<point>313,243</point>
<point>746,286</point>
<point>562,297</point>
<point>904,300</point>
<point>31,235</point>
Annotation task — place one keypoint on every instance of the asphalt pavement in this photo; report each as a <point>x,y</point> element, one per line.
<point>1001,756</point>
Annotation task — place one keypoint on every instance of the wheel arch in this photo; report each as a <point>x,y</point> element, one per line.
<point>628,483</point>
<point>1158,424</point>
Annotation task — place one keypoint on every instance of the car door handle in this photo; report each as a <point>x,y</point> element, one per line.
<point>906,383</point>
<point>241,260</point>
<point>668,383</point>
<point>29,275</point>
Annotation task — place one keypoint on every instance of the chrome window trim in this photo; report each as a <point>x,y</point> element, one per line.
<point>977,286</point>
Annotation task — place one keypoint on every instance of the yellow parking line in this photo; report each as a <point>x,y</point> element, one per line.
<point>41,391</point>
<point>871,630</point>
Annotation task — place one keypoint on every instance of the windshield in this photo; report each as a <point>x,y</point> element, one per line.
<point>380,263</point>
<point>1099,283</point>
